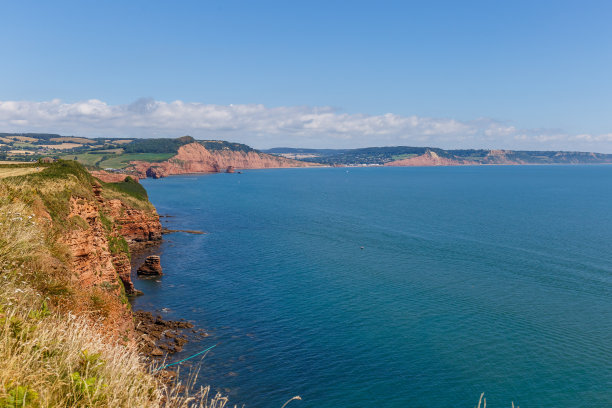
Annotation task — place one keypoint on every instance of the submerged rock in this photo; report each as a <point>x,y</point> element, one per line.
<point>157,336</point>
<point>151,266</point>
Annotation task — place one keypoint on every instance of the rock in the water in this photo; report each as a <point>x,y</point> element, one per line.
<point>151,266</point>
<point>156,172</point>
<point>230,169</point>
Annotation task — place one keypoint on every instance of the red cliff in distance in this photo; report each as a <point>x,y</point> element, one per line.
<point>195,158</point>
<point>429,158</point>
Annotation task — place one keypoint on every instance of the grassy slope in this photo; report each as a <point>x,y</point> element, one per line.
<point>121,161</point>
<point>51,351</point>
<point>87,159</point>
<point>107,153</point>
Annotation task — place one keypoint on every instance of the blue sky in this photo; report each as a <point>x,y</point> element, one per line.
<point>538,70</point>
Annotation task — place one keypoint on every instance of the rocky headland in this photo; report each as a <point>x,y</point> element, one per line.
<point>81,232</point>
<point>67,241</point>
<point>195,158</point>
<point>429,158</point>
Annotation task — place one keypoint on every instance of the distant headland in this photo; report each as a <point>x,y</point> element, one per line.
<point>112,159</point>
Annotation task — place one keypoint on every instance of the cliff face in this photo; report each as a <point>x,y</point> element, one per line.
<point>71,329</point>
<point>500,157</point>
<point>104,231</point>
<point>91,261</point>
<point>255,160</point>
<point>82,230</point>
<point>195,158</point>
<point>138,227</point>
<point>429,158</point>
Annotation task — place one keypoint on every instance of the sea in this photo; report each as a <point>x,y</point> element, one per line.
<point>393,287</point>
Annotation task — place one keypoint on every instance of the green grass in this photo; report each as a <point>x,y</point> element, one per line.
<point>86,159</point>
<point>121,161</point>
<point>129,187</point>
<point>216,145</point>
<point>118,245</point>
<point>21,145</point>
<point>403,156</point>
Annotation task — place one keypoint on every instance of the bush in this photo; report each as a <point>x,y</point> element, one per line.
<point>162,145</point>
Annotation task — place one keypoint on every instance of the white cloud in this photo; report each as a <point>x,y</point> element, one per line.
<point>262,126</point>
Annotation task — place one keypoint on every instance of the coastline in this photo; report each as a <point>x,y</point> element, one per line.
<point>275,287</point>
<point>158,338</point>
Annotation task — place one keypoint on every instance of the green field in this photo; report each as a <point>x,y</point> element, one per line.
<point>85,158</point>
<point>21,145</point>
<point>121,161</point>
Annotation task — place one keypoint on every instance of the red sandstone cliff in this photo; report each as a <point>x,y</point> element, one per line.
<point>195,158</point>
<point>97,242</point>
<point>98,253</point>
<point>138,227</point>
<point>91,261</point>
<point>107,177</point>
<point>429,158</point>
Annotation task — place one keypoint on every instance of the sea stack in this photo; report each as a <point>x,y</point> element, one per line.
<point>156,172</point>
<point>150,267</point>
<point>230,169</point>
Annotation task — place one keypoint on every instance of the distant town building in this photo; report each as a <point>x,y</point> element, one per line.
<point>46,160</point>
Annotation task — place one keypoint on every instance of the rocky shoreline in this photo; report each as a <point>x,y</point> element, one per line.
<point>157,338</point>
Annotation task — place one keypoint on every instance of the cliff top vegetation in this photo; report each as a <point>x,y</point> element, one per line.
<point>101,152</point>
<point>55,346</point>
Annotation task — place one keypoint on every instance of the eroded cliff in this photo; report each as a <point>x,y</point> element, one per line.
<point>195,158</point>
<point>85,229</point>
<point>429,158</point>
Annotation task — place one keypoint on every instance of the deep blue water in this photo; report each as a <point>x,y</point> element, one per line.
<point>493,279</point>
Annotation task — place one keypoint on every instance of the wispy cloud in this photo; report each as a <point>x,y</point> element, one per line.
<point>263,126</point>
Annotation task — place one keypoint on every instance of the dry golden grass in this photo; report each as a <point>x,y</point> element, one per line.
<point>18,171</point>
<point>52,360</point>
<point>63,146</point>
<point>73,139</point>
<point>49,360</point>
<point>23,138</point>
<point>51,355</point>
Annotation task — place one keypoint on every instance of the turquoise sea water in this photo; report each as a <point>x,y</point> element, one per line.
<point>493,279</point>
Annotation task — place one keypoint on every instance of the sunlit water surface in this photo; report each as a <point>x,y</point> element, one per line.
<point>471,279</point>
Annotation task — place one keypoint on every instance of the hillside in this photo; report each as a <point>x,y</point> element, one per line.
<point>429,156</point>
<point>67,334</point>
<point>112,159</point>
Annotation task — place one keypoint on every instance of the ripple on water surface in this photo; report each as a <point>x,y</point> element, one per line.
<point>470,279</point>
